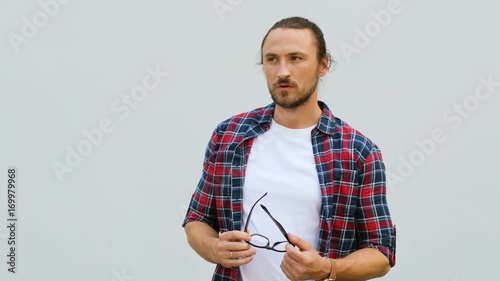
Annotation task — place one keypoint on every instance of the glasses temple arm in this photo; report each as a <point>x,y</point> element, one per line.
<point>281,228</point>
<point>250,213</point>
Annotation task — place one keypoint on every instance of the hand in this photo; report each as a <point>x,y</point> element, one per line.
<point>304,262</point>
<point>230,250</point>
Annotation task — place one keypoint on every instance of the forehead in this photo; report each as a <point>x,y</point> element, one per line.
<point>287,40</point>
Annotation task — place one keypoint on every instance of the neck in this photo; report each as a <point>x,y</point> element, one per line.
<point>304,116</point>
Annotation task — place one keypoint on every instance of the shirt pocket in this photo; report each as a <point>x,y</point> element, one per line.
<point>345,194</point>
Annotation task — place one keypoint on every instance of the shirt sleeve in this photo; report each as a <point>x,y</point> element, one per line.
<point>373,221</point>
<point>202,206</point>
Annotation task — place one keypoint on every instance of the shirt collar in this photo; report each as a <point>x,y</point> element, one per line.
<point>326,124</point>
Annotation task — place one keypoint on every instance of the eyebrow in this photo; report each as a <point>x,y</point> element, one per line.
<point>289,54</point>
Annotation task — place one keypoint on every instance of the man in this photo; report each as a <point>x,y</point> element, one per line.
<point>314,175</point>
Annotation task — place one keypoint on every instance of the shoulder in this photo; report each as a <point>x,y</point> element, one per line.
<point>241,123</point>
<point>353,139</point>
<point>349,137</point>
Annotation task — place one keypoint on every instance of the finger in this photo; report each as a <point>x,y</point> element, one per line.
<point>293,253</point>
<point>233,246</point>
<point>288,269</point>
<point>293,257</point>
<point>236,262</point>
<point>242,254</point>
<point>233,250</point>
<point>235,235</point>
<point>299,242</point>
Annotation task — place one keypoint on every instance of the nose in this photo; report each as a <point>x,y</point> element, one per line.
<point>283,70</point>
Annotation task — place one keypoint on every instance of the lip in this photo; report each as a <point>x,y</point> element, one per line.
<point>284,86</point>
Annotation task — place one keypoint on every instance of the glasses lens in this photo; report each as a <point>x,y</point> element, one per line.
<point>259,240</point>
<point>280,246</point>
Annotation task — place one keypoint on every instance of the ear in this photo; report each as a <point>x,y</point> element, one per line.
<point>323,68</point>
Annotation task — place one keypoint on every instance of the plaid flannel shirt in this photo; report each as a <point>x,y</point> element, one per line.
<point>354,211</point>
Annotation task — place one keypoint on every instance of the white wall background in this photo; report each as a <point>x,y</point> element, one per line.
<point>117,214</point>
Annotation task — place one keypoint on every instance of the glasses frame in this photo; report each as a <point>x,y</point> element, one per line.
<point>280,227</point>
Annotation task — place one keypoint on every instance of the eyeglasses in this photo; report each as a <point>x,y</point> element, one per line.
<point>261,241</point>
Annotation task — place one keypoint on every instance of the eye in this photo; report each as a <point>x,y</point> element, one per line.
<point>271,59</point>
<point>295,58</point>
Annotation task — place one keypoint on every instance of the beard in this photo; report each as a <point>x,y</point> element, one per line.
<point>286,99</point>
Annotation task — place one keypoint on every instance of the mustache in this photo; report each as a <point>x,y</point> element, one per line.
<point>284,81</point>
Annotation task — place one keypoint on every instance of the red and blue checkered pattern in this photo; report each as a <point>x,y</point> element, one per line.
<point>354,211</point>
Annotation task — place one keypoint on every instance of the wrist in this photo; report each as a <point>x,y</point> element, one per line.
<point>211,242</point>
<point>330,270</point>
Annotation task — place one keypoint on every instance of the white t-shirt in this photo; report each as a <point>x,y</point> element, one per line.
<point>281,163</point>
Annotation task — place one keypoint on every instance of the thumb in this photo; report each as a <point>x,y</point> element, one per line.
<point>299,242</point>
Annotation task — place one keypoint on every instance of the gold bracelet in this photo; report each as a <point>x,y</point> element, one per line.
<point>333,272</point>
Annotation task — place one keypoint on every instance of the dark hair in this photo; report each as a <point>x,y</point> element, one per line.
<point>303,23</point>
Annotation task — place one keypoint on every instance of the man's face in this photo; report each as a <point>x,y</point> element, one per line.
<point>291,66</point>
